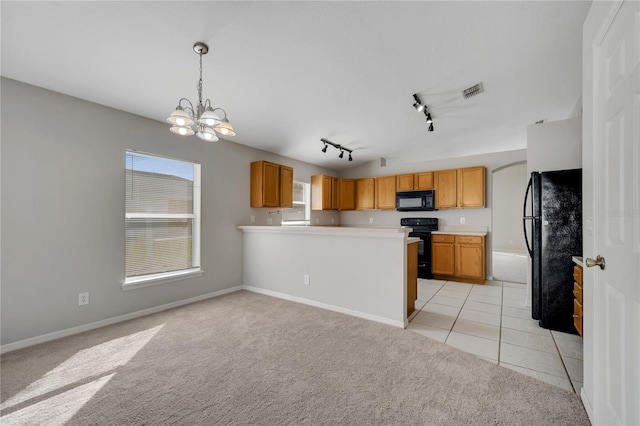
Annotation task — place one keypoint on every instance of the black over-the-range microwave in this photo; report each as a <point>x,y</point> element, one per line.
<point>415,201</point>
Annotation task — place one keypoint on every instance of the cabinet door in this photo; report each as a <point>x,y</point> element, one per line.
<point>286,186</point>
<point>470,260</point>
<point>321,192</point>
<point>404,182</point>
<point>386,193</point>
<point>471,187</point>
<point>446,189</point>
<point>270,185</point>
<point>346,194</point>
<point>442,258</point>
<point>335,194</point>
<point>423,180</point>
<point>412,277</point>
<point>365,194</point>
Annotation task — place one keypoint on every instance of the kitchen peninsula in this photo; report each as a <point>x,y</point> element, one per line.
<point>357,271</point>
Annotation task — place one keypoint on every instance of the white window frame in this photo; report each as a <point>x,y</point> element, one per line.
<point>307,210</point>
<point>164,277</point>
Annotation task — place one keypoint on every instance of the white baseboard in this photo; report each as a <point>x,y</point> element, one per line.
<point>387,321</point>
<point>120,318</point>
<point>587,405</point>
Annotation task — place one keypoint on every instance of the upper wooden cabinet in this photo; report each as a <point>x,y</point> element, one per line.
<point>321,192</point>
<point>271,185</point>
<point>404,182</point>
<point>385,193</point>
<point>460,188</point>
<point>334,193</point>
<point>365,194</point>
<point>471,187</point>
<point>414,181</point>
<point>346,194</point>
<point>446,185</point>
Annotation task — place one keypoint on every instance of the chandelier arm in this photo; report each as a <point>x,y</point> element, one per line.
<point>225,112</point>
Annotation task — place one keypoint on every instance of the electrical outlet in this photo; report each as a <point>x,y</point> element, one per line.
<point>253,218</point>
<point>370,220</point>
<point>306,280</point>
<point>332,220</point>
<point>83,299</point>
<point>317,220</point>
<point>269,221</point>
<point>462,220</point>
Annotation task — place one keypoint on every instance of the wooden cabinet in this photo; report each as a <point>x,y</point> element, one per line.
<point>412,277</point>
<point>459,257</point>
<point>460,188</point>
<point>470,257</point>
<point>271,185</point>
<point>414,181</point>
<point>577,301</point>
<point>334,193</point>
<point>443,254</point>
<point>365,194</point>
<point>346,194</point>
<point>446,185</point>
<point>385,193</point>
<point>321,192</point>
<point>423,181</point>
<point>471,187</point>
<point>404,182</point>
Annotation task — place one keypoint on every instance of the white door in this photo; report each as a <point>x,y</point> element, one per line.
<point>611,160</point>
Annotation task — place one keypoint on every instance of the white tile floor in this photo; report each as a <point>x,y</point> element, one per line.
<point>492,321</point>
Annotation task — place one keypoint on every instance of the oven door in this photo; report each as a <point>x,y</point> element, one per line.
<point>424,254</point>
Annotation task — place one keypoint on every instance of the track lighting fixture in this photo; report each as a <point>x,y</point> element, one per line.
<point>420,107</point>
<point>418,104</point>
<point>336,146</point>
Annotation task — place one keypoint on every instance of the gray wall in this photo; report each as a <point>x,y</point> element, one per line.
<point>509,186</point>
<point>62,210</point>
<point>556,145</point>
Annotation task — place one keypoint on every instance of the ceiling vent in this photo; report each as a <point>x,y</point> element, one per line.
<point>472,91</point>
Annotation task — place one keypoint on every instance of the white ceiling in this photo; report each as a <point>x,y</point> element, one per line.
<point>290,73</point>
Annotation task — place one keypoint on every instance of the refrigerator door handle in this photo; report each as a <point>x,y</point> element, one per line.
<point>525,217</point>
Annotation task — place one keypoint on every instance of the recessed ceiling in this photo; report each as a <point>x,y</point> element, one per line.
<point>290,73</point>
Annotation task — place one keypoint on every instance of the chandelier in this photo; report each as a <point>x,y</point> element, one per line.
<point>203,119</point>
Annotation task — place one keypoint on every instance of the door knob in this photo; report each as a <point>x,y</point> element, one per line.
<point>599,261</point>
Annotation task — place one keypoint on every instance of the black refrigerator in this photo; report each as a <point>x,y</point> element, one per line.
<point>553,207</point>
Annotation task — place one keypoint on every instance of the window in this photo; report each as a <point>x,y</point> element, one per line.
<point>162,219</point>
<point>300,214</point>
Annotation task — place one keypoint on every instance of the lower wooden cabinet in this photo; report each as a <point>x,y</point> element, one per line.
<point>577,301</point>
<point>459,257</point>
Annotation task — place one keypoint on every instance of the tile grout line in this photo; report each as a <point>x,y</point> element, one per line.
<point>563,363</point>
<point>457,316</point>
<point>500,331</point>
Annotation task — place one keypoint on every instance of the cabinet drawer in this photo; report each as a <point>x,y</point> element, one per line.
<point>577,274</point>
<point>468,239</point>
<point>577,291</point>
<point>442,238</point>
<point>577,316</point>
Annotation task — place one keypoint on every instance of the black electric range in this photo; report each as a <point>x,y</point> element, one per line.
<point>422,228</point>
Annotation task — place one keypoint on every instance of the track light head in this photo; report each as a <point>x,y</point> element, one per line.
<point>341,154</point>
<point>428,114</point>
<point>418,104</point>
<point>350,159</point>
<point>430,127</point>
<point>324,149</point>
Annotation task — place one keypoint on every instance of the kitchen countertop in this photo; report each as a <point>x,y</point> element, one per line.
<point>577,260</point>
<point>476,234</point>
<point>411,240</point>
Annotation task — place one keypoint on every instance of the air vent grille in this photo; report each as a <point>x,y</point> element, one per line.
<point>472,91</point>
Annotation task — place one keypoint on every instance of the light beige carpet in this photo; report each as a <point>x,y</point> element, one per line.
<point>245,358</point>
